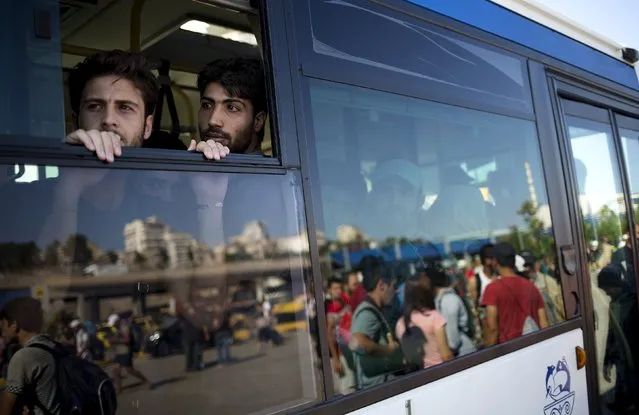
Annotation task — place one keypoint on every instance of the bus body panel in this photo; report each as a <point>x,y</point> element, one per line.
<point>502,22</point>
<point>530,381</point>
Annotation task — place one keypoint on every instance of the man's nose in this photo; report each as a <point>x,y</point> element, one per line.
<point>108,118</point>
<point>216,119</point>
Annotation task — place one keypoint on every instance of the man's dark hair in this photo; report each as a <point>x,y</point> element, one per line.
<point>505,255</point>
<point>240,77</point>
<point>486,251</point>
<point>374,270</point>
<point>438,278</point>
<point>26,312</point>
<point>125,65</point>
<point>334,280</point>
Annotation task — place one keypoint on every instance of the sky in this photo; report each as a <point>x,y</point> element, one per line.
<point>615,19</point>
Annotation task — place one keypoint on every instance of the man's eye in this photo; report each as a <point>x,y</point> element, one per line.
<point>205,105</point>
<point>233,108</point>
<point>126,107</point>
<point>93,107</point>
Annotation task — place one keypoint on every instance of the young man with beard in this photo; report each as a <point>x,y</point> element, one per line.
<point>232,108</point>
<point>231,119</point>
<point>113,96</point>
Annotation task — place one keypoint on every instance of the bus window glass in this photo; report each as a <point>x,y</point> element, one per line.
<point>610,257</point>
<point>30,79</point>
<point>208,271</point>
<point>402,51</point>
<point>423,208</point>
<point>223,45</point>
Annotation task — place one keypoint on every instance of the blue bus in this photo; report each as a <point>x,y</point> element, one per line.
<point>409,133</point>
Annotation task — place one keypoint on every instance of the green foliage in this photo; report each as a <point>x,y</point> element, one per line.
<point>534,238</point>
<point>19,256</point>
<point>76,249</point>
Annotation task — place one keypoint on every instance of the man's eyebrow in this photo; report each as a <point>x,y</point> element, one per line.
<point>127,102</point>
<point>225,101</point>
<point>91,99</point>
<point>118,101</point>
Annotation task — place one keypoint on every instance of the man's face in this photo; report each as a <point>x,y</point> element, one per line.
<point>335,290</point>
<point>9,330</point>
<point>229,120</point>
<point>388,291</point>
<point>114,104</point>
<point>490,263</point>
<point>353,282</point>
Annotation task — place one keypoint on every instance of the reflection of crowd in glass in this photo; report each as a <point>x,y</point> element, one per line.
<point>614,293</point>
<point>382,324</point>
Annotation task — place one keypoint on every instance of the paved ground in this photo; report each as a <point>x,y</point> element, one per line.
<point>281,378</point>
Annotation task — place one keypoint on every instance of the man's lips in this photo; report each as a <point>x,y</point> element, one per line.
<point>218,138</point>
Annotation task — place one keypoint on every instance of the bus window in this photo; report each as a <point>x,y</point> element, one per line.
<point>179,41</point>
<point>214,294</point>
<point>423,206</point>
<point>431,60</point>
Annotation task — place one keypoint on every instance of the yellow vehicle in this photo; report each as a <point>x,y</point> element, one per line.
<point>290,316</point>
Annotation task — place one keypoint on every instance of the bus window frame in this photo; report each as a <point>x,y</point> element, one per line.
<point>285,151</point>
<point>566,87</point>
<point>403,384</point>
<point>290,133</point>
<point>406,383</point>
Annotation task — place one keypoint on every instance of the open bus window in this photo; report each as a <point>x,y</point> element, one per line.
<point>411,195</point>
<point>178,40</point>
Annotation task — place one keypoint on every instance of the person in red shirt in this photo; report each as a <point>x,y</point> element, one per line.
<point>338,308</point>
<point>509,300</point>
<point>355,289</point>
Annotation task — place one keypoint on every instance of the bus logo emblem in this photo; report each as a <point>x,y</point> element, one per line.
<point>558,392</point>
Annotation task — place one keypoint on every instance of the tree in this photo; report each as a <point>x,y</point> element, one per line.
<point>112,256</point>
<point>19,257</point>
<point>534,237</point>
<point>609,225</point>
<point>52,254</point>
<point>76,250</point>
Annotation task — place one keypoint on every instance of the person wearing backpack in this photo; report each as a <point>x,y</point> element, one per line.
<point>459,321</point>
<point>43,377</point>
<point>422,329</point>
<point>377,354</point>
<point>514,306</point>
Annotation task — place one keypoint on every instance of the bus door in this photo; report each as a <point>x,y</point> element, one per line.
<point>602,149</point>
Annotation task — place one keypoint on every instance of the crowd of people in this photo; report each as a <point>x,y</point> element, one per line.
<point>378,330</point>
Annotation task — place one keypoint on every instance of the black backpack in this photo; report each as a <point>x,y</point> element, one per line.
<point>412,343</point>
<point>83,387</point>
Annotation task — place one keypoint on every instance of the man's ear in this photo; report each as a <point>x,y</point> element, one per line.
<point>258,121</point>
<point>148,126</point>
